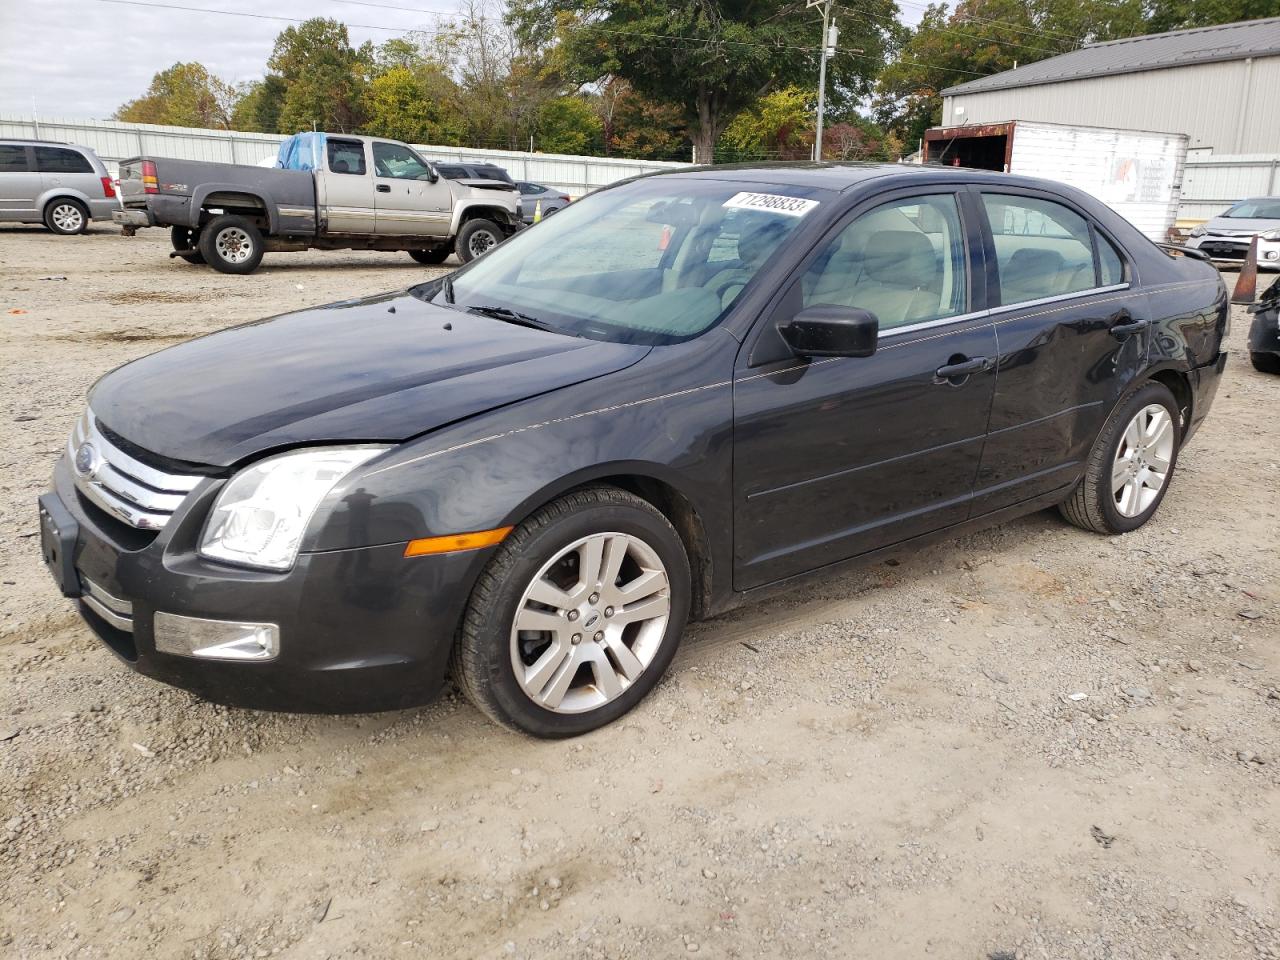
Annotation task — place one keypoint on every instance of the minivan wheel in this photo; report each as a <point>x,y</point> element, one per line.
<point>477,237</point>
<point>66,216</point>
<point>1132,461</point>
<point>576,616</point>
<point>436,256</point>
<point>231,244</point>
<point>187,239</point>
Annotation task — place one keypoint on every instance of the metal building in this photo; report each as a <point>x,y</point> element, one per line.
<point>1219,85</point>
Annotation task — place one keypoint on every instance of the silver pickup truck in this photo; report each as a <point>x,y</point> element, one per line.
<point>328,191</point>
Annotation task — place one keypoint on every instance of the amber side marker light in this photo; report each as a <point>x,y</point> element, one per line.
<point>455,542</point>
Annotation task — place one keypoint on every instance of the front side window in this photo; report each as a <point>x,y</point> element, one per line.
<point>1043,249</point>
<point>904,262</point>
<point>345,156</point>
<point>13,158</point>
<point>58,160</point>
<point>398,162</point>
<point>653,261</point>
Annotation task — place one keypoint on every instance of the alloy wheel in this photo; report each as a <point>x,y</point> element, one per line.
<point>481,241</point>
<point>233,244</point>
<point>590,622</point>
<point>1142,461</point>
<point>67,217</point>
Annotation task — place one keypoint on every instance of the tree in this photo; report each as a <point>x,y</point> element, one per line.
<point>780,125</point>
<point>259,109</point>
<point>567,125</point>
<point>713,60</point>
<point>1180,14</point>
<point>414,105</point>
<point>325,76</point>
<point>634,126</point>
<point>185,95</point>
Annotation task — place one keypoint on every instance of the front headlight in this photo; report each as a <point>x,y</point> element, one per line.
<point>1199,231</point>
<point>260,516</point>
<point>1270,235</point>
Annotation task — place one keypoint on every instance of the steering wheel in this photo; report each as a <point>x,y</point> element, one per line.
<point>733,278</point>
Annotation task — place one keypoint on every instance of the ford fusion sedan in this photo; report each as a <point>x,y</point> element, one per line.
<point>673,396</point>
<point>1226,237</point>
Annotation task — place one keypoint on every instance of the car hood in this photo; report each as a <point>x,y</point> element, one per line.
<point>1240,225</point>
<point>377,369</point>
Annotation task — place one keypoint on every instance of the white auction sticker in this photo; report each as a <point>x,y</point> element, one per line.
<point>772,203</point>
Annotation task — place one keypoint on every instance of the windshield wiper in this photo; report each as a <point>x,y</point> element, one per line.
<point>508,315</point>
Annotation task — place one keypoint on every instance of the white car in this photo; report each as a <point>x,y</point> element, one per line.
<point>1227,236</point>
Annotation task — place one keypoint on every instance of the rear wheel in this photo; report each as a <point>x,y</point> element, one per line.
<point>436,256</point>
<point>576,616</point>
<point>186,239</point>
<point>231,244</point>
<point>477,237</point>
<point>1265,362</point>
<point>1132,461</point>
<point>66,216</point>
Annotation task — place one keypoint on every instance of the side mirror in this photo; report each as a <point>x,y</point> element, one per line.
<point>431,174</point>
<point>827,330</point>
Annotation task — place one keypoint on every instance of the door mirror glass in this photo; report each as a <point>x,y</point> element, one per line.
<point>827,330</point>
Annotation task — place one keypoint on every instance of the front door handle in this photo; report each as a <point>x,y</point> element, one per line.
<point>1123,324</point>
<point>383,188</point>
<point>961,367</point>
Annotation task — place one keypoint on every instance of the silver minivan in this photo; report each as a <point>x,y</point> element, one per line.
<point>61,185</point>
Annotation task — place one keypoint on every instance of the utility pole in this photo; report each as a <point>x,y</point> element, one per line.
<point>829,35</point>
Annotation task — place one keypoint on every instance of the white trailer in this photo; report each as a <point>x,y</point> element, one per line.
<point>1137,173</point>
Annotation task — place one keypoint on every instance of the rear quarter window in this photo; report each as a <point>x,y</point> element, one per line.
<point>60,160</point>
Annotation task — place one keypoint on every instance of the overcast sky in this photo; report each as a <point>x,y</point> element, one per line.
<point>83,58</point>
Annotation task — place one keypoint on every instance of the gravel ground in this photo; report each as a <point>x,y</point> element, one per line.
<point>1029,742</point>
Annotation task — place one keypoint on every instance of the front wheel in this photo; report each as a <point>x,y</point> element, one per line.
<point>577,615</point>
<point>1265,362</point>
<point>1132,461</point>
<point>66,216</point>
<point>477,237</point>
<point>437,256</point>
<point>231,244</point>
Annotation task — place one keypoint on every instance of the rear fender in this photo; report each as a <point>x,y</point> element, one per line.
<point>200,199</point>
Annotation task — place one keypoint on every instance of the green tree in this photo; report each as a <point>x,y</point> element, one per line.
<point>414,105</point>
<point>325,76</point>
<point>1180,14</point>
<point>567,125</point>
<point>780,125</point>
<point>713,60</point>
<point>185,95</point>
<point>259,109</point>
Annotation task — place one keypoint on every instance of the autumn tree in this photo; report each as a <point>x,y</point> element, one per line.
<point>185,95</point>
<point>325,76</point>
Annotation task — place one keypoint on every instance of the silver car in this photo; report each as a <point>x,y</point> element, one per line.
<point>61,185</point>
<point>1227,236</point>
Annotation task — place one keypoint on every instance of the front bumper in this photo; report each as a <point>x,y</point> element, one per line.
<point>1234,249</point>
<point>360,630</point>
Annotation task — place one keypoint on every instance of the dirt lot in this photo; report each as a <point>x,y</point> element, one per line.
<point>895,763</point>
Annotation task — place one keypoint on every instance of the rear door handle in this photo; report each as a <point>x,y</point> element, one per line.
<point>383,188</point>
<point>961,368</point>
<point>1123,324</point>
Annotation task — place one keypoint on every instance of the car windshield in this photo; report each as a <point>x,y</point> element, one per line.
<point>1266,208</point>
<point>655,261</point>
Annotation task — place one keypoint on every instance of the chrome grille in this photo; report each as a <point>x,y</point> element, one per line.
<point>133,492</point>
<point>117,612</point>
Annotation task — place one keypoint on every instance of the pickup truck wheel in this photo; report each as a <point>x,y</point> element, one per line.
<point>477,237</point>
<point>439,255</point>
<point>576,615</point>
<point>1265,362</point>
<point>66,216</point>
<point>184,238</point>
<point>231,244</point>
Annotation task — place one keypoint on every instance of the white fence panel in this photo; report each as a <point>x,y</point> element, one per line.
<point>1213,183</point>
<point>114,141</point>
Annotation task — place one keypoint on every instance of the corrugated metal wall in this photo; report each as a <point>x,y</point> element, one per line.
<point>1231,107</point>
<point>114,142</point>
<point>1215,182</point>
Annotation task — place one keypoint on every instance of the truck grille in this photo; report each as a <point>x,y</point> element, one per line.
<point>139,495</point>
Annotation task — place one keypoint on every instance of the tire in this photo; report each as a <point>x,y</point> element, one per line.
<point>436,256</point>
<point>231,244</point>
<point>1116,494</point>
<point>1265,362</point>
<point>185,238</point>
<point>475,238</point>
<point>66,216</point>
<point>555,543</point>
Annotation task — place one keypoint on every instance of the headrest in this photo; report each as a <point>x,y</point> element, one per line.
<point>757,240</point>
<point>902,258</point>
<point>1028,263</point>
<point>340,166</point>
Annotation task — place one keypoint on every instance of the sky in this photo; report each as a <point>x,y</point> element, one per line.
<point>82,59</point>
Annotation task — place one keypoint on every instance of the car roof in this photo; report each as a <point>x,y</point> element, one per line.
<point>839,177</point>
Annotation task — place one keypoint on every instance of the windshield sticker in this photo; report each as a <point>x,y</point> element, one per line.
<point>772,203</point>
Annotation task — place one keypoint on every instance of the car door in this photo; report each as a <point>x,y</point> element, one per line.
<point>345,188</point>
<point>19,183</point>
<point>410,198</point>
<point>1071,329</point>
<point>837,457</point>
<point>67,169</point>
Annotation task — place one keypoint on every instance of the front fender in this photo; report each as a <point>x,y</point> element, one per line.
<point>461,206</point>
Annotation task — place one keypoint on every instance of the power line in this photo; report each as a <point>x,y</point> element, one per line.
<point>1016,28</point>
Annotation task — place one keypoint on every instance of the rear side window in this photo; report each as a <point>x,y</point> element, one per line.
<point>1043,249</point>
<point>1110,265</point>
<point>531,188</point>
<point>345,156</point>
<point>58,160</point>
<point>13,158</point>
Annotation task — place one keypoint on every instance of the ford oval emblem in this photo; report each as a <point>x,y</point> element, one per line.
<point>86,461</point>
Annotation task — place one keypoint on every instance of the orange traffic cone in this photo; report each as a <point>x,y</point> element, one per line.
<point>1247,285</point>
